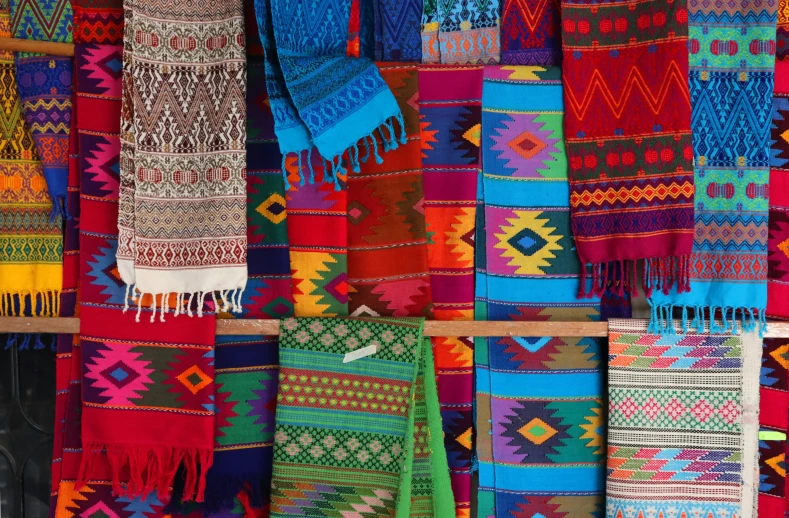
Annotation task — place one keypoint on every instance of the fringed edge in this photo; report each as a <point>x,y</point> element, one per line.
<point>335,168</point>
<point>657,273</point>
<point>59,209</point>
<point>22,341</point>
<point>44,303</point>
<point>150,468</point>
<point>712,319</point>
<point>229,301</point>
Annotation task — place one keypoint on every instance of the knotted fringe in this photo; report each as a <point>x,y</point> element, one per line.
<point>230,302</point>
<point>41,303</point>
<point>334,169</point>
<point>149,468</point>
<point>657,273</point>
<point>721,320</point>
<point>22,341</point>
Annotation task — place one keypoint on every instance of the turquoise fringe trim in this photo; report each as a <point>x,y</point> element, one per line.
<point>732,320</point>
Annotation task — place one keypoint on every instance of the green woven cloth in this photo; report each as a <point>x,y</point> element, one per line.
<point>358,432</point>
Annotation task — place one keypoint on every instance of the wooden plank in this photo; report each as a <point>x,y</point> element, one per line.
<point>43,47</point>
<point>432,327</point>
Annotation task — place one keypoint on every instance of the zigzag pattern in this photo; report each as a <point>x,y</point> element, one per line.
<point>716,231</point>
<point>47,20</point>
<point>673,77</point>
<point>400,26</point>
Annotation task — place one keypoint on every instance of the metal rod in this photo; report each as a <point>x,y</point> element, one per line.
<point>270,327</point>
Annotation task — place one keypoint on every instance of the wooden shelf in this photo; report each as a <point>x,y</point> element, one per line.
<point>432,327</point>
<point>42,47</point>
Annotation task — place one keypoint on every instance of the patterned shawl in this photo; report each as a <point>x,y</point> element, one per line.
<point>461,31</point>
<point>321,97</point>
<point>531,32</point>
<point>182,213</point>
<point>31,245</point>
<point>782,31</point>
<point>358,427</point>
<point>449,107</point>
<point>773,427</point>
<point>397,30</point>
<point>682,424</point>
<point>778,236</point>
<point>45,88</point>
<point>539,400</point>
<point>731,88</point>
<point>628,141</point>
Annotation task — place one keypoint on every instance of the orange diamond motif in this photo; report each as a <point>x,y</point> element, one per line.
<point>194,379</point>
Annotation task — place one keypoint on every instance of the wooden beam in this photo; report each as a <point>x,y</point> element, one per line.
<point>42,47</point>
<point>432,327</point>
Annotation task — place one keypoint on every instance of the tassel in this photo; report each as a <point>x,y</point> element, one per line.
<point>301,171</point>
<point>403,137</point>
<point>311,168</point>
<point>285,174</point>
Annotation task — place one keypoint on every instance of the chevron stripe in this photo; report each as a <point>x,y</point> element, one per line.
<point>48,20</point>
<point>673,190</point>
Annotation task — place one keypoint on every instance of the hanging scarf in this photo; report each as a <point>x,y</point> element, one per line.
<point>682,424</point>
<point>773,427</point>
<point>374,449</point>
<point>531,32</point>
<point>397,30</point>
<point>782,36</point>
<point>182,212</point>
<point>321,97</point>
<point>539,400</point>
<point>731,94</point>
<point>778,236</point>
<point>449,107</point>
<point>45,88</point>
<point>387,243</point>
<point>31,245</point>
<point>461,31</point>
<point>630,180</point>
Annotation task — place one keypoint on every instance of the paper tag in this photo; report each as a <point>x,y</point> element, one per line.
<point>360,353</point>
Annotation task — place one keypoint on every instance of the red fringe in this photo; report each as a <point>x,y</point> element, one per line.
<point>148,468</point>
<point>621,276</point>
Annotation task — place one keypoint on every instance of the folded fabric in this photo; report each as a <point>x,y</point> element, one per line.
<point>45,88</point>
<point>321,97</point>
<point>397,30</point>
<point>358,427</point>
<point>682,424</point>
<point>631,181</point>
<point>539,400</point>
<point>731,98</point>
<point>31,244</point>
<point>461,31</point>
<point>182,218</point>
<point>778,220</point>
<point>449,108</point>
<point>531,32</point>
<point>773,427</point>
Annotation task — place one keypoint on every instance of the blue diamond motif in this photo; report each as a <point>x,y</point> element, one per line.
<point>119,374</point>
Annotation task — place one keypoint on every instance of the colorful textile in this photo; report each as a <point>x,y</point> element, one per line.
<point>773,427</point>
<point>628,141</point>
<point>682,424</point>
<point>539,400</point>
<point>782,36</point>
<point>182,221</point>
<point>381,453</point>
<point>397,30</point>
<point>320,97</point>
<point>45,88</point>
<point>731,95</point>
<point>461,31</point>
<point>387,243</point>
<point>449,107</point>
<point>778,221</point>
<point>531,32</point>
<point>31,245</point>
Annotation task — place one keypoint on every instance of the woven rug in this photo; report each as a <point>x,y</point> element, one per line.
<point>773,427</point>
<point>728,270</point>
<point>531,32</point>
<point>397,30</point>
<point>182,222</point>
<point>45,88</point>
<point>449,107</point>
<point>387,244</point>
<point>539,400</point>
<point>682,424</point>
<point>326,96</point>
<point>31,245</point>
<point>358,429</point>
<point>630,176</point>
<point>461,31</point>
<point>778,231</point>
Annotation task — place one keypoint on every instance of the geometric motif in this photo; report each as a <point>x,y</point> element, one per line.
<point>461,31</point>
<point>531,32</point>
